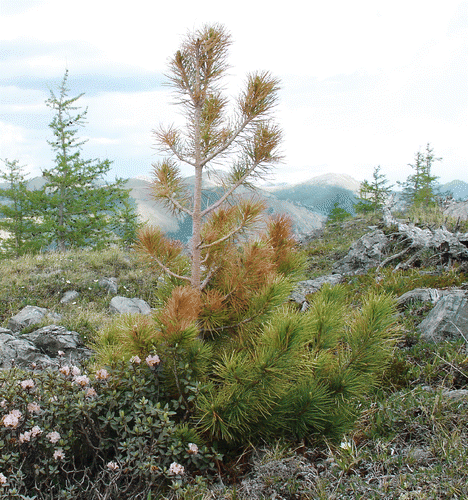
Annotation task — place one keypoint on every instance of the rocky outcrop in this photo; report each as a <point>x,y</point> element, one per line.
<point>365,253</point>
<point>448,320</point>
<point>304,288</point>
<point>30,315</point>
<point>45,347</point>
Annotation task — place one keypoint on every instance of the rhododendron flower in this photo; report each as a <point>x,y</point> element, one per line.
<point>36,431</point>
<point>27,384</point>
<point>192,449</point>
<point>112,465</point>
<point>153,360</point>
<point>90,392</point>
<point>82,380</point>
<point>34,408</point>
<point>65,370</point>
<point>60,353</point>
<point>3,479</point>
<point>102,374</point>
<point>135,359</point>
<point>176,469</point>
<point>25,436</point>
<point>10,420</point>
<point>16,413</point>
<point>59,454</point>
<point>3,403</point>
<point>53,437</point>
<point>75,371</point>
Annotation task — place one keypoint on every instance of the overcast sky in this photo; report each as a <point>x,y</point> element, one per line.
<point>364,83</point>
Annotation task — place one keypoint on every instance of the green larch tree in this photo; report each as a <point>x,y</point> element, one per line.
<point>419,189</point>
<point>17,213</point>
<point>78,203</point>
<point>373,194</point>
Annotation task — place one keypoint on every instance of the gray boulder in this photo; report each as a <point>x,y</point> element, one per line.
<point>448,320</point>
<point>124,305</point>
<point>109,284</point>
<point>307,287</point>
<point>29,315</point>
<point>419,295</point>
<point>69,296</point>
<point>365,253</point>
<point>41,348</point>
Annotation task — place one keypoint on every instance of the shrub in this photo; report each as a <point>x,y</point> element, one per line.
<point>111,434</point>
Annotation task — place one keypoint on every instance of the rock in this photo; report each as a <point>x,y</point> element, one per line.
<point>41,348</point>
<point>124,305</point>
<point>29,315</point>
<point>110,285</point>
<point>69,297</point>
<point>456,395</point>
<point>419,295</point>
<point>364,254</point>
<point>307,287</point>
<point>448,320</point>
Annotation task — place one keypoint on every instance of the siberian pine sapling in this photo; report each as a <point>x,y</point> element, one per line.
<point>211,138</point>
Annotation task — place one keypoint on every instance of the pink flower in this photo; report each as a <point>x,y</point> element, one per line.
<point>82,380</point>
<point>53,437</point>
<point>59,454</point>
<point>3,403</point>
<point>65,370</point>
<point>75,371</point>
<point>36,431</point>
<point>176,469</point>
<point>112,465</point>
<point>192,449</point>
<point>27,384</point>
<point>102,374</point>
<point>153,360</point>
<point>135,359</point>
<point>12,419</point>
<point>34,408</point>
<point>90,393</point>
<point>3,479</point>
<point>24,437</point>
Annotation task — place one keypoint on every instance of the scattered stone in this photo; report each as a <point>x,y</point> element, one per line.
<point>69,296</point>
<point>419,295</point>
<point>110,285</point>
<point>448,320</point>
<point>124,305</point>
<point>456,395</point>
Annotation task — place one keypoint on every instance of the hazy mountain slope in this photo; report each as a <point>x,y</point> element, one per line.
<point>459,189</point>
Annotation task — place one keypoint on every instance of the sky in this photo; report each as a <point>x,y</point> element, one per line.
<point>363,83</point>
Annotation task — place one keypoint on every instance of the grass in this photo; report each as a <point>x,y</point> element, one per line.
<point>412,439</point>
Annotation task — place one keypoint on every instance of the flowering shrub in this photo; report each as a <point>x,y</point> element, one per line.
<point>112,434</point>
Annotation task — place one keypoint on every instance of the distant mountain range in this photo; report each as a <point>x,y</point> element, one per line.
<point>307,203</point>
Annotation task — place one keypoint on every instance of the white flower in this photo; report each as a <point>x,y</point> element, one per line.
<point>192,449</point>
<point>112,465</point>
<point>346,445</point>
<point>3,479</point>
<point>59,454</point>
<point>82,380</point>
<point>27,384</point>
<point>90,392</point>
<point>34,408</point>
<point>153,360</point>
<point>3,403</point>
<point>75,371</point>
<point>60,353</point>
<point>102,374</point>
<point>135,359</point>
<point>65,370</point>
<point>53,437</point>
<point>36,431</point>
<point>176,469</point>
<point>12,419</point>
<point>24,437</point>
